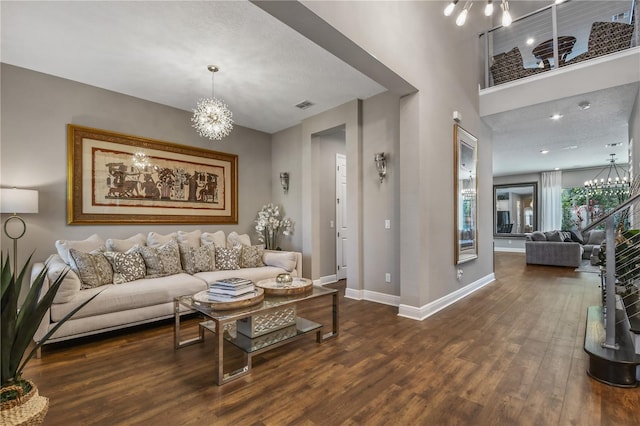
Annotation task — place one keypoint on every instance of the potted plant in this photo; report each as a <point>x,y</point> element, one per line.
<point>20,402</point>
<point>269,226</point>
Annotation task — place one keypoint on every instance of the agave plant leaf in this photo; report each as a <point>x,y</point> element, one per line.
<point>8,314</point>
<point>19,327</point>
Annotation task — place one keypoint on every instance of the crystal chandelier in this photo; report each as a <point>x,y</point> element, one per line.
<point>211,118</point>
<point>612,184</point>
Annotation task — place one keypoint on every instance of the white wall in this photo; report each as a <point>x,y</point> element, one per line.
<point>35,111</point>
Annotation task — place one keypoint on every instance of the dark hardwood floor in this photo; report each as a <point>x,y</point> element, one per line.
<point>509,354</point>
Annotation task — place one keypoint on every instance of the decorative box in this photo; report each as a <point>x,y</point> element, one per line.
<point>253,344</point>
<point>260,324</point>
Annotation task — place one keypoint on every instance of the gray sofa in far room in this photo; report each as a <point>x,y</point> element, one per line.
<point>563,248</point>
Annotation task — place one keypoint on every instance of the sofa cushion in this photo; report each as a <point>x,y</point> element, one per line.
<point>93,268</point>
<point>236,240</point>
<point>70,285</point>
<point>217,238</point>
<point>130,296</point>
<point>198,259</point>
<point>596,237</point>
<point>127,266</point>
<point>94,242</point>
<point>538,236</point>
<point>285,260</point>
<point>154,239</point>
<point>227,258</point>
<point>124,245</point>
<point>565,236</point>
<point>251,256</point>
<point>553,236</point>
<point>576,236</point>
<point>253,274</point>
<point>191,238</point>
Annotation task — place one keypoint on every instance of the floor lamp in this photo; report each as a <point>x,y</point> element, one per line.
<point>16,201</point>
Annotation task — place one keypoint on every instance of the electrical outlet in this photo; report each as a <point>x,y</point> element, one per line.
<point>387,277</point>
<point>387,224</point>
<point>331,224</point>
<point>459,273</point>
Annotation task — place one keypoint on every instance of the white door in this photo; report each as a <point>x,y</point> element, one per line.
<point>341,216</point>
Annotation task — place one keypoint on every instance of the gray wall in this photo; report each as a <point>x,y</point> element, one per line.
<point>400,35</point>
<point>286,150</point>
<point>35,111</point>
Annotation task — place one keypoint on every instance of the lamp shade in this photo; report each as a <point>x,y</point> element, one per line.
<point>14,200</point>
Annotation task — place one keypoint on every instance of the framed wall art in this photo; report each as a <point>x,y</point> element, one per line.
<point>123,179</point>
<point>465,198</point>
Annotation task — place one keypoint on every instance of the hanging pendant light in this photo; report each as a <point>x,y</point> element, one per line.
<point>211,117</point>
<point>506,16</point>
<point>612,184</point>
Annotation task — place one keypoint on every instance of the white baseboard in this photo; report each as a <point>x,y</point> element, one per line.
<point>372,296</point>
<point>329,279</point>
<point>509,250</point>
<point>431,308</point>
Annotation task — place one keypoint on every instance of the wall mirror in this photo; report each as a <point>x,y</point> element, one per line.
<point>515,209</point>
<point>465,187</point>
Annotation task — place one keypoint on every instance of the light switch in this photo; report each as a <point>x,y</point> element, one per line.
<point>387,224</point>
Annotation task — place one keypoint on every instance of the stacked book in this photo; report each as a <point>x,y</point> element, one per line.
<point>230,289</point>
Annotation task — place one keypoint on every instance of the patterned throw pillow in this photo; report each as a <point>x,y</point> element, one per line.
<point>201,259</point>
<point>93,268</point>
<point>162,260</point>
<point>170,256</point>
<point>227,258</point>
<point>252,256</point>
<point>127,266</point>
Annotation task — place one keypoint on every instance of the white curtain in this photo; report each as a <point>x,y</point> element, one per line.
<point>551,205</point>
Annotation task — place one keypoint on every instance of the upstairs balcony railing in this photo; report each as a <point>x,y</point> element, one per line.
<point>558,35</point>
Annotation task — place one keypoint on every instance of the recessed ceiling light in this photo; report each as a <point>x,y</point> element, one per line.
<point>544,151</point>
<point>610,145</point>
<point>584,105</point>
<point>556,116</point>
<point>557,168</point>
<point>530,41</point>
<point>571,147</point>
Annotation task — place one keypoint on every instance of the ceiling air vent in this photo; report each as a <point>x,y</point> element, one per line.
<point>305,104</point>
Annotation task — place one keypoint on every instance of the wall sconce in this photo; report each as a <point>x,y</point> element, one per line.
<point>381,165</point>
<point>284,181</point>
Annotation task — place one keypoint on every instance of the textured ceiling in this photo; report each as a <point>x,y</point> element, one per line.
<point>159,51</point>
<point>577,140</point>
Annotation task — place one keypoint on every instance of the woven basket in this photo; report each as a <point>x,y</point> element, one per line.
<point>28,409</point>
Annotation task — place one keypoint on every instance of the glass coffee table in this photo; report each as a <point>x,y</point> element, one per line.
<point>255,329</point>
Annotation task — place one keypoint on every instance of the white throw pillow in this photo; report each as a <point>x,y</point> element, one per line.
<point>237,241</point>
<point>94,242</point>
<point>154,239</point>
<point>217,238</point>
<point>70,284</point>
<point>285,260</point>
<point>192,239</point>
<point>124,245</point>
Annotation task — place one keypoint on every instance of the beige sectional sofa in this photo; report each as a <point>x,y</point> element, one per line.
<point>133,300</point>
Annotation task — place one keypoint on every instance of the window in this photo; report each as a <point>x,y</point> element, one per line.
<point>579,209</point>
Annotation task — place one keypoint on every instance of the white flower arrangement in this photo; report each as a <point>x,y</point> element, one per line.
<point>269,226</point>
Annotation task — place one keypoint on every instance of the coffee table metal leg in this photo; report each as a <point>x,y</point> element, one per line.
<point>177,343</point>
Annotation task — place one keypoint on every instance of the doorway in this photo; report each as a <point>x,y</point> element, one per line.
<point>341,216</point>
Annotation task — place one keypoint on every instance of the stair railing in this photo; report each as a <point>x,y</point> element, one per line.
<point>609,308</point>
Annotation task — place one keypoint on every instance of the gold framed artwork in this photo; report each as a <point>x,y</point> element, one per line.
<point>465,198</point>
<point>121,179</point>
